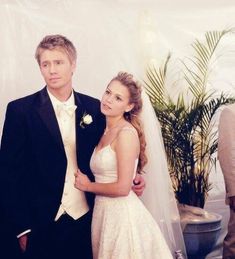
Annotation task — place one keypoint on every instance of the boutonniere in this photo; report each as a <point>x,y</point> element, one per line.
<point>85,120</point>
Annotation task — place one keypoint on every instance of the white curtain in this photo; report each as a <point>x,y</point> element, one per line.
<point>110,35</point>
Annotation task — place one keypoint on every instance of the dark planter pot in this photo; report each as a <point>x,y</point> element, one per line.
<point>200,235</point>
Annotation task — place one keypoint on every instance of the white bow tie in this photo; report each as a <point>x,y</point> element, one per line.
<point>67,108</point>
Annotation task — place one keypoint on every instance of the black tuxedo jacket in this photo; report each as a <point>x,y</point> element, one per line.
<point>33,161</point>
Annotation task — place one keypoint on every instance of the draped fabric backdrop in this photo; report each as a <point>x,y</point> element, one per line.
<point>110,36</point>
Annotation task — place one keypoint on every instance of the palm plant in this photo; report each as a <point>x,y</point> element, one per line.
<point>189,136</point>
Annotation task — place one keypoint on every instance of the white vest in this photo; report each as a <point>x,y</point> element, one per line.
<point>73,201</point>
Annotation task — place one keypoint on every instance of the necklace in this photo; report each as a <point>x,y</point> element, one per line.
<point>106,131</point>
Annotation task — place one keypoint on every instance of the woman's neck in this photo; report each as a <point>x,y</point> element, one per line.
<point>113,122</point>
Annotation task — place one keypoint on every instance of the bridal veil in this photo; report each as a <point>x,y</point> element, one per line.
<point>158,196</point>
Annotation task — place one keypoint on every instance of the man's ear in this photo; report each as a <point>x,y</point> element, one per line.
<point>74,66</point>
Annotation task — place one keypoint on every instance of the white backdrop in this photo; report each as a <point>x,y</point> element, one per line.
<point>112,35</point>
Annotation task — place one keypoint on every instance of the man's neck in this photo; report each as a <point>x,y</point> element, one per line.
<point>61,94</point>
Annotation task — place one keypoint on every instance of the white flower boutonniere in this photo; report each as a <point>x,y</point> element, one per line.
<point>85,120</point>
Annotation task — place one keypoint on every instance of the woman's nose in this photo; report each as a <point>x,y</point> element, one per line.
<point>110,99</point>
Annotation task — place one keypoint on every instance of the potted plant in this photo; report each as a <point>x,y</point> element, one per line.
<point>189,136</point>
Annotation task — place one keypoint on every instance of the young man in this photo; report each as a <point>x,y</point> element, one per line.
<point>226,154</point>
<point>46,137</point>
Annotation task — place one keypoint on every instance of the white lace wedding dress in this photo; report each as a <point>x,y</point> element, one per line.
<point>122,228</point>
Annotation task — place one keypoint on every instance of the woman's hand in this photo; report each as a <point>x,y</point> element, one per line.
<point>139,185</point>
<point>81,181</point>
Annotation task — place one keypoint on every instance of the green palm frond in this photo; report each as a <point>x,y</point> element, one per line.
<point>197,77</point>
<point>189,135</point>
<point>156,79</point>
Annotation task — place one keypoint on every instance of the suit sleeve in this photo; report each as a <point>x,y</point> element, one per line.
<point>13,164</point>
<point>226,149</point>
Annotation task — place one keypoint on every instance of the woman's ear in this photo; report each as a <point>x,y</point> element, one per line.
<point>129,107</point>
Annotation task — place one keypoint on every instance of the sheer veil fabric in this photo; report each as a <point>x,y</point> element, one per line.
<point>159,196</point>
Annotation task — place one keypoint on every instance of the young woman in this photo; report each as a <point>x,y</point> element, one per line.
<point>121,227</point>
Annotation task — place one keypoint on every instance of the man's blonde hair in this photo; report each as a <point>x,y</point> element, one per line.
<point>57,41</point>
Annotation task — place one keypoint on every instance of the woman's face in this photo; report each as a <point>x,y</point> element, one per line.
<point>115,100</point>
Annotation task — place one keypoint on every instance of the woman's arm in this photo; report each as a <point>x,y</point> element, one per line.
<point>127,150</point>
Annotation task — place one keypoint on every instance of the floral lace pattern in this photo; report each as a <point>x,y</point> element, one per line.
<point>122,228</point>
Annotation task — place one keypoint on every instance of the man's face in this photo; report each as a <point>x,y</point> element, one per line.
<point>56,68</point>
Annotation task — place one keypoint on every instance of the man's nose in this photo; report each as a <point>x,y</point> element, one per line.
<point>52,68</point>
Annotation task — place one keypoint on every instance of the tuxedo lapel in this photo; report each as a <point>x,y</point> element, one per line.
<point>47,114</point>
<point>79,113</point>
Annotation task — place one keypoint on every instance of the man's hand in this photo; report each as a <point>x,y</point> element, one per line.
<point>23,242</point>
<point>232,203</point>
<point>139,185</point>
